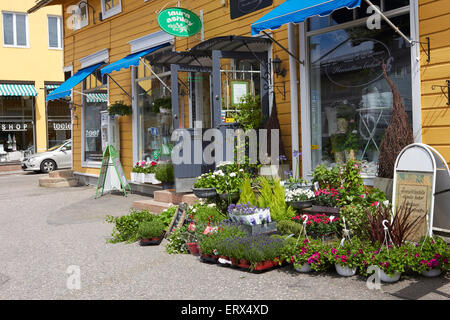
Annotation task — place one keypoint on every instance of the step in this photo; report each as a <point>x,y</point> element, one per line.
<point>61,174</point>
<point>152,206</point>
<point>58,182</point>
<point>190,199</point>
<point>168,196</point>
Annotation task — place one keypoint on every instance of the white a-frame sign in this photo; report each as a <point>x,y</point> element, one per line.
<point>111,175</point>
<point>422,178</point>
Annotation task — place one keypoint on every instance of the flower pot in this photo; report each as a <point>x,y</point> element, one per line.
<point>234,261</point>
<point>151,241</point>
<point>386,278</point>
<point>133,176</point>
<point>305,268</point>
<point>150,178</point>
<point>140,177</point>
<point>244,263</point>
<point>434,272</point>
<point>301,204</point>
<point>325,209</point>
<point>204,193</point>
<point>344,270</point>
<point>194,248</point>
<point>230,197</point>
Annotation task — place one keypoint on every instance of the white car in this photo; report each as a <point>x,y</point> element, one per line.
<point>57,157</point>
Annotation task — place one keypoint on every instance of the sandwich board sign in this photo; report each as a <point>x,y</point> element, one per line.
<point>422,179</point>
<point>111,175</point>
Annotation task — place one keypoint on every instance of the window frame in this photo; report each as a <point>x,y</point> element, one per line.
<point>304,35</point>
<point>110,12</point>
<point>59,32</point>
<point>27,31</point>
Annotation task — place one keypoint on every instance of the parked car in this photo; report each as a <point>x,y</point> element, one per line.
<point>57,157</point>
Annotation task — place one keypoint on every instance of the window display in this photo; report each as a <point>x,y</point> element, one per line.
<point>351,102</point>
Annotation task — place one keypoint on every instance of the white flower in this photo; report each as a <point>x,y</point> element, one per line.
<point>385,203</point>
<point>211,205</point>
<point>224,163</point>
<point>232,174</point>
<point>331,218</point>
<point>241,170</point>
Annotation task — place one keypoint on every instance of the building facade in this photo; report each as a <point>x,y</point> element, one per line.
<point>332,99</point>
<point>31,66</point>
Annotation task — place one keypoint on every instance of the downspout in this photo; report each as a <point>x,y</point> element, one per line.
<point>294,100</point>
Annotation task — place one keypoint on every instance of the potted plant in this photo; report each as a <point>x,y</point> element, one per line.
<point>162,105</point>
<point>205,186</point>
<point>326,201</point>
<point>300,198</point>
<point>138,172</point>
<point>119,108</point>
<point>311,256</point>
<point>164,172</point>
<point>151,232</point>
<point>430,256</point>
<point>248,214</point>
<point>229,181</point>
<point>391,261</point>
<point>320,226</point>
<point>149,171</point>
<point>346,257</point>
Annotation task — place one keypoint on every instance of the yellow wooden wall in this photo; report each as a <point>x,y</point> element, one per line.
<point>138,18</point>
<point>434,22</point>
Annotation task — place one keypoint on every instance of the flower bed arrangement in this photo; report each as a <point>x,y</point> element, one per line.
<point>320,226</point>
<point>144,172</point>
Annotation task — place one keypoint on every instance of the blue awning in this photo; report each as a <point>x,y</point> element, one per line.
<point>296,11</point>
<point>130,60</point>
<point>64,89</point>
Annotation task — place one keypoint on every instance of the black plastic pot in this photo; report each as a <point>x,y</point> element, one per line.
<point>204,193</point>
<point>301,204</point>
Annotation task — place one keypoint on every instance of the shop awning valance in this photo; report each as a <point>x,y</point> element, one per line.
<point>64,89</point>
<point>96,97</point>
<point>17,90</point>
<point>130,60</point>
<point>296,11</point>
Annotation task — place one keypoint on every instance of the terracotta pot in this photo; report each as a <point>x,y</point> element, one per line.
<point>194,248</point>
<point>234,261</point>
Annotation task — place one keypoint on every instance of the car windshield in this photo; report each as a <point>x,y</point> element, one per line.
<point>55,147</point>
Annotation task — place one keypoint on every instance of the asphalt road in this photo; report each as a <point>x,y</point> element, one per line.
<point>49,236</point>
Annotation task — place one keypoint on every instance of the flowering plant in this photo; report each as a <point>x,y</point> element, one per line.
<point>227,178</point>
<point>391,259</point>
<point>247,214</point>
<point>206,180</point>
<point>320,225</point>
<point>144,167</point>
<point>299,195</point>
<point>327,197</point>
<point>430,253</point>
<point>313,253</point>
<point>350,254</point>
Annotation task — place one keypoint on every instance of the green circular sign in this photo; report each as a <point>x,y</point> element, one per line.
<point>179,22</point>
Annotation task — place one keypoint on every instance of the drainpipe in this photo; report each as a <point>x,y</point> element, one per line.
<point>294,98</point>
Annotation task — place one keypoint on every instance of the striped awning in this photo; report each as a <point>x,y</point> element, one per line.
<point>51,87</point>
<point>96,97</point>
<point>18,90</point>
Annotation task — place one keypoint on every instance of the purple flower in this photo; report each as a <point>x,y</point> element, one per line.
<point>296,153</point>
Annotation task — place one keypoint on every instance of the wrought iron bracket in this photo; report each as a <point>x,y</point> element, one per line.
<point>443,92</point>
<point>427,49</point>
<point>280,88</point>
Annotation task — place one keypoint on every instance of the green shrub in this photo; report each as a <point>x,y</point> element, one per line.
<point>126,227</point>
<point>164,172</point>
<point>151,229</point>
<point>286,227</point>
<point>167,215</point>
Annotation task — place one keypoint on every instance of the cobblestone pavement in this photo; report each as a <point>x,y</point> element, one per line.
<point>45,231</point>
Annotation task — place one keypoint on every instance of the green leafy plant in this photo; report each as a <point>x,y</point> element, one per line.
<point>350,254</point>
<point>176,241</point>
<point>151,229</point>
<point>391,260</point>
<point>126,227</point>
<point>327,178</point>
<point>203,213</point>
<point>206,180</point>
<point>164,172</point>
<point>313,253</point>
<point>249,113</point>
<point>429,253</point>
<point>163,102</point>
<point>119,108</point>
<point>286,227</point>
<point>167,215</point>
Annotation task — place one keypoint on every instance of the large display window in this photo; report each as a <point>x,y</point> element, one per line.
<point>59,125</point>
<point>350,100</point>
<point>154,115</point>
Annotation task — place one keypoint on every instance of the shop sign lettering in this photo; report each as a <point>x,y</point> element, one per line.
<point>62,126</point>
<point>239,8</point>
<point>356,63</point>
<point>92,133</point>
<point>179,22</point>
<point>14,127</point>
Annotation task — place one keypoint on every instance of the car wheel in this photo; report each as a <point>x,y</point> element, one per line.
<point>48,165</point>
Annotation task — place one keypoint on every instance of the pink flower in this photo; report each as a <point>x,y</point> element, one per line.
<point>416,255</point>
<point>362,196</point>
<point>333,251</point>
<point>344,258</point>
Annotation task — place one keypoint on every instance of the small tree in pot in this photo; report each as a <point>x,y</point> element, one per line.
<point>164,172</point>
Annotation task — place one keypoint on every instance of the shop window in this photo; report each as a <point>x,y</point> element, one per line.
<point>350,100</point>
<point>55,32</point>
<point>111,7</point>
<point>154,121</point>
<point>59,124</point>
<point>15,29</point>
<point>95,93</point>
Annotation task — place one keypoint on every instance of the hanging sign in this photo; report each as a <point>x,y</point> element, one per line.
<point>111,179</point>
<point>239,8</point>
<point>179,22</point>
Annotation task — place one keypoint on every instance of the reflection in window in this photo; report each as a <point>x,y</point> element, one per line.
<point>154,114</point>
<point>351,102</point>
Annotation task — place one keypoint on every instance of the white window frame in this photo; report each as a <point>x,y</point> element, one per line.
<point>305,82</point>
<point>111,12</point>
<point>59,32</point>
<point>15,45</point>
<point>81,23</point>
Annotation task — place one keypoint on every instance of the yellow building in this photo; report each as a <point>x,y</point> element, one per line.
<point>332,104</point>
<point>30,66</point>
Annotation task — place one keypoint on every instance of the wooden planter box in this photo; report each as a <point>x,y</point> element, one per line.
<point>323,209</point>
<point>260,228</point>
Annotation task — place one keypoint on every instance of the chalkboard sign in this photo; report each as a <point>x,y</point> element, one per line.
<point>178,219</point>
<point>111,153</point>
<point>239,8</point>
